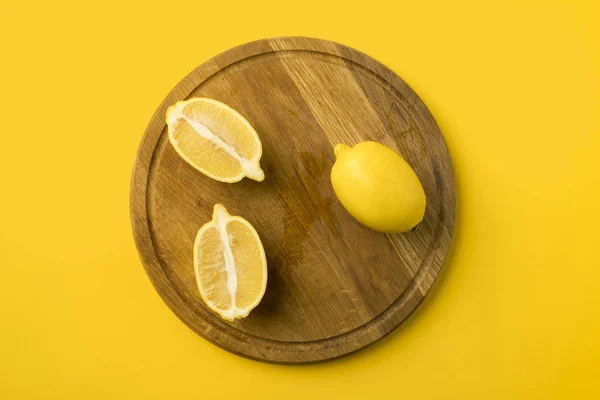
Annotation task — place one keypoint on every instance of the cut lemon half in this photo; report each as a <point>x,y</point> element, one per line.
<point>215,139</point>
<point>230,263</point>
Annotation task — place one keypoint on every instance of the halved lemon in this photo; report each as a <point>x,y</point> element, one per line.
<point>230,263</point>
<point>215,139</point>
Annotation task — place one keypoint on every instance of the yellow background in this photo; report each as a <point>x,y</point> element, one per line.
<point>514,86</point>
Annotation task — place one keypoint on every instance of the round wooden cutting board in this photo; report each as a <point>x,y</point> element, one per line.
<point>334,286</point>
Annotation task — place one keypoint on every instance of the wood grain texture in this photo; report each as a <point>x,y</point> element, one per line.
<point>334,285</point>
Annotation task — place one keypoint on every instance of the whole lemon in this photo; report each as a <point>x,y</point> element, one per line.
<point>378,187</point>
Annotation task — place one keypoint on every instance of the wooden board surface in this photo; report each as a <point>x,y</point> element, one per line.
<point>334,285</point>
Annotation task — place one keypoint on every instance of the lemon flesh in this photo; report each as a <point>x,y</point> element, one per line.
<point>378,187</point>
<point>215,139</point>
<point>230,265</point>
